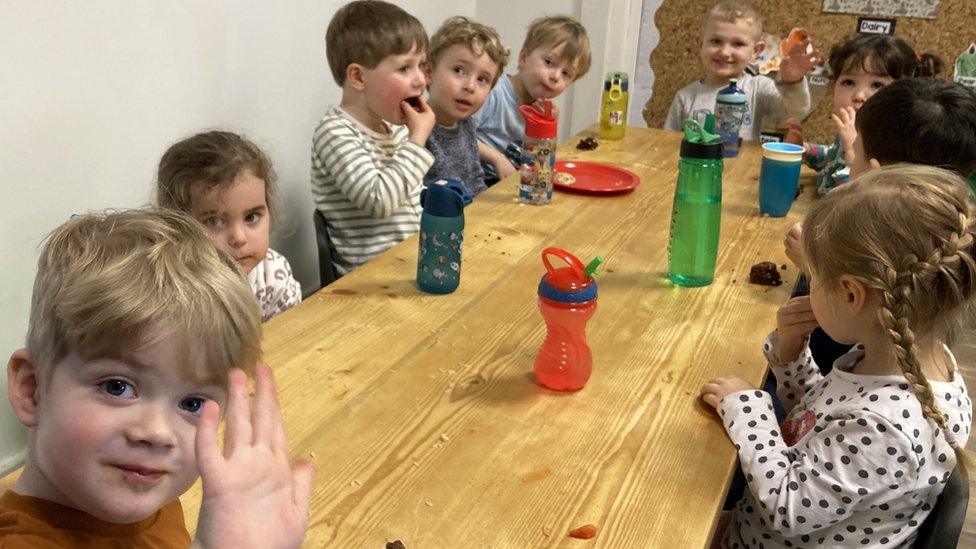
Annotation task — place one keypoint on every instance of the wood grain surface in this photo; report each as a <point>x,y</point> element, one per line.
<point>421,413</point>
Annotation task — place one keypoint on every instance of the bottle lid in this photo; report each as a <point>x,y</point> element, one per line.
<point>445,198</point>
<point>538,124</point>
<point>567,284</point>
<point>708,151</point>
<point>732,93</point>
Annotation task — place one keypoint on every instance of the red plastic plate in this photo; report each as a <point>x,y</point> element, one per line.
<point>595,177</point>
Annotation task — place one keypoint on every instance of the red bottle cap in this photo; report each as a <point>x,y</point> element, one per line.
<point>538,124</point>
<point>568,284</point>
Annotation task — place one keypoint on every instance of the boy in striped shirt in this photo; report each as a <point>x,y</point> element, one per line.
<point>368,154</point>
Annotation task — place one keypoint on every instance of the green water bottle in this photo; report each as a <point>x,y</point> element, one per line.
<point>696,217</point>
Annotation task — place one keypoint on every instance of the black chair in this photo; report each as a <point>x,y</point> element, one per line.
<point>943,525</point>
<point>327,271</point>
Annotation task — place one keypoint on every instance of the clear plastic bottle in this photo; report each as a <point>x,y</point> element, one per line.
<point>536,170</point>
<point>441,236</point>
<point>567,301</point>
<point>731,110</point>
<point>697,215</point>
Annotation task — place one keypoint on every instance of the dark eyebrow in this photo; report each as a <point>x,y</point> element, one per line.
<point>260,208</point>
<point>208,212</point>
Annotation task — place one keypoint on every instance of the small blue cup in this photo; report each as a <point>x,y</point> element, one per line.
<point>778,177</point>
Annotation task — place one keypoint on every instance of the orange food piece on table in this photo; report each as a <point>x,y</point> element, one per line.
<point>584,532</point>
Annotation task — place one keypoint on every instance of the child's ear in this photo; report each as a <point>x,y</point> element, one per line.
<point>855,294</point>
<point>355,76</point>
<point>428,71</point>
<point>874,164</point>
<point>521,59</point>
<point>22,387</point>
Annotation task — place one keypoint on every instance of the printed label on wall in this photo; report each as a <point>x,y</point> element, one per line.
<point>926,9</point>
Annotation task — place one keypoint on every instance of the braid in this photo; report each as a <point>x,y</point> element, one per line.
<point>895,299</point>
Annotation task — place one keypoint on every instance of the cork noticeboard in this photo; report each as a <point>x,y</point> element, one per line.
<point>676,62</point>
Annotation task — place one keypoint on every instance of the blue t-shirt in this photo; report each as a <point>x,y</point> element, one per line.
<point>499,122</point>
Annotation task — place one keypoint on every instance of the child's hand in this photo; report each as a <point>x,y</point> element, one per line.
<point>794,134</point>
<point>252,495</point>
<point>714,390</point>
<point>503,168</point>
<point>794,247</point>
<point>542,103</point>
<point>420,120</point>
<point>797,63</point>
<point>846,132</point>
<point>794,322</point>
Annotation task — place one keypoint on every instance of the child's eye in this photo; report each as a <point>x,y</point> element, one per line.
<point>846,82</point>
<point>252,217</point>
<point>484,80</point>
<point>877,85</point>
<point>118,388</point>
<point>715,41</point>
<point>212,222</point>
<point>549,62</point>
<point>458,70</point>
<point>194,405</point>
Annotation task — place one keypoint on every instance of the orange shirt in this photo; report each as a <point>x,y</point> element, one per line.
<point>28,522</point>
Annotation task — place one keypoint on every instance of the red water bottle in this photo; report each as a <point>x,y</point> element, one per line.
<point>567,300</point>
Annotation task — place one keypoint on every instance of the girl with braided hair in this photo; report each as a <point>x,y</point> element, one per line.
<point>866,449</point>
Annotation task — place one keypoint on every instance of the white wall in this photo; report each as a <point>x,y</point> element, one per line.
<point>93,92</point>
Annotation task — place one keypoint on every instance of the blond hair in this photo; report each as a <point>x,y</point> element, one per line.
<point>561,30</point>
<point>368,31</point>
<point>732,11</point>
<point>108,282</point>
<point>200,163</point>
<point>477,37</point>
<point>907,232</point>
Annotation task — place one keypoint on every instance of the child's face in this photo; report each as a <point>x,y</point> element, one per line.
<point>236,218</point>
<point>115,437</point>
<point>854,86</point>
<point>460,83</point>
<point>727,48</point>
<point>545,73</point>
<point>395,79</point>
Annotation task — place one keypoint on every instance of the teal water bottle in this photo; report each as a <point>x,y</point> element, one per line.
<point>441,236</point>
<point>731,112</point>
<point>697,212</point>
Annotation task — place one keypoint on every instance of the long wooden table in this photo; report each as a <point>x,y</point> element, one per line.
<point>421,413</point>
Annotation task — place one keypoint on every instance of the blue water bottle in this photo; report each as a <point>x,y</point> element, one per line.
<point>731,110</point>
<point>441,235</point>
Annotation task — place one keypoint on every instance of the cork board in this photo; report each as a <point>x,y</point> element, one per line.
<point>676,63</point>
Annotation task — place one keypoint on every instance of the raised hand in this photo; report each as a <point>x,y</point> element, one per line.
<point>253,496</point>
<point>846,132</point>
<point>797,63</point>
<point>794,322</point>
<point>794,247</point>
<point>420,119</point>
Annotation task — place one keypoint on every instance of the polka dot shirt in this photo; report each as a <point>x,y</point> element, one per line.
<point>855,464</point>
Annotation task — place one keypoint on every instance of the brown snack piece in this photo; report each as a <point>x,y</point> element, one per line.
<point>587,143</point>
<point>396,544</point>
<point>765,274</point>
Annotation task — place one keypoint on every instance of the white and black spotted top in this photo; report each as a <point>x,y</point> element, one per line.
<point>855,464</point>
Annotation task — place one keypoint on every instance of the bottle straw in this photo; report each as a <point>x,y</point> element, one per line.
<point>592,266</point>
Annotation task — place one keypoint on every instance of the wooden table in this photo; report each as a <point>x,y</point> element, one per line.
<point>421,413</point>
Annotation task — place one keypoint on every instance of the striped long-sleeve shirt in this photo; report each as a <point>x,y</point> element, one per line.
<point>367,185</point>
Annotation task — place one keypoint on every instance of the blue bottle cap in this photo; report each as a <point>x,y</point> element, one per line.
<point>445,198</point>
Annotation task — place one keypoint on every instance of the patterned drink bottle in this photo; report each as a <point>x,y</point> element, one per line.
<point>441,236</point>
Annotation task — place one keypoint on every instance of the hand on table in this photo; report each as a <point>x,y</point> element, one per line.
<point>793,246</point>
<point>714,390</point>
<point>794,322</point>
<point>253,497</point>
